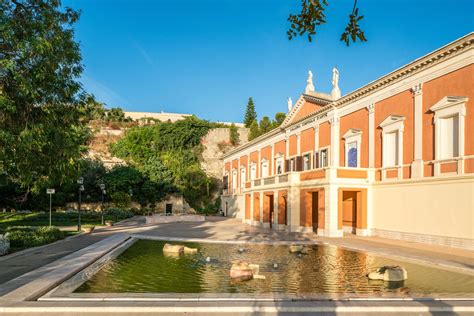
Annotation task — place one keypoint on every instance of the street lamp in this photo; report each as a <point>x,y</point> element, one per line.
<point>80,181</point>
<point>102,188</point>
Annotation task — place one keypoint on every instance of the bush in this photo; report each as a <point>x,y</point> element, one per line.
<point>117,214</point>
<point>27,236</point>
<point>121,199</point>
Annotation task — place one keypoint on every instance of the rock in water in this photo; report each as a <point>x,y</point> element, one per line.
<point>173,248</point>
<point>296,248</point>
<point>389,274</point>
<point>190,250</point>
<point>241,270</point>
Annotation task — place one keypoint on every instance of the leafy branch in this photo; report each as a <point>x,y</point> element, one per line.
<point>313,14</point>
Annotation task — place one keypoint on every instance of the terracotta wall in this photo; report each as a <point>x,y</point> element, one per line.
<point>357,120</point>
<point>282,208</point>
<point>293,147</point>
<point>399,104</point>
<point>324,134</point>
<point>256,206</point>
<point>279,147</point>
<point>456,83</point>
<point>307,140</point>
<point>306,207</point>
<point>305,109</point>
<point>266,153</point>
<point>243,162</point>
<point>247,206</point>
<point>254,158</point>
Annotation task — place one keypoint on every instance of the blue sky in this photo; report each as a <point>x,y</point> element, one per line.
<point>207,57</point>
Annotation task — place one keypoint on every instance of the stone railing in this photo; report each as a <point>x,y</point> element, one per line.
<point>270,180</point>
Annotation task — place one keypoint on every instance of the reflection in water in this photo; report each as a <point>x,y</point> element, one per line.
<point>328,270</point>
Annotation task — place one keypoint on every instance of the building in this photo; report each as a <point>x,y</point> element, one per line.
<point>394,158</point>
<point>145,118</point>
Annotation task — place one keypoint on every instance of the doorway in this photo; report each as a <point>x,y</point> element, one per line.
<point>314,210</point>
<point>169,209</point>
<point>349,211</point>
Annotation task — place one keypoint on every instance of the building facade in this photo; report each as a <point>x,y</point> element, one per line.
<point>394,158</point>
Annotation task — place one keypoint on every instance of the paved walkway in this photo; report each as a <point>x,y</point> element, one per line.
<point>219,228</point>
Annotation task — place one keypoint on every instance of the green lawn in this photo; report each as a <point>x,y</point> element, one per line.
<point>58,219</point>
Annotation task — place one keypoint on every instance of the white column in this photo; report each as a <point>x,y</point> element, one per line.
<point>334,141</point>
<point>239,176</point>
<point>331,197</point>
<point>417,164</point>
<point>371,108</point>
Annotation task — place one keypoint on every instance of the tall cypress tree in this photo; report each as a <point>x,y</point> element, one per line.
<point>250,114</point>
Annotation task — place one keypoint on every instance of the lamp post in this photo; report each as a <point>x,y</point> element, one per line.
<point>50,192</point>
<point>102,188</point>
<point>80,181</point>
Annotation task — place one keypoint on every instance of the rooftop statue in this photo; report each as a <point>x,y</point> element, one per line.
<point>336,92</point>
<point>309,83</point>
<point>290,104</point>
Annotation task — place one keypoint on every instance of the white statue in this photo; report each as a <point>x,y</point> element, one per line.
<point>309,83</point>
<point>335,77</point>
<point>336,92</point>
<point>290,104</point>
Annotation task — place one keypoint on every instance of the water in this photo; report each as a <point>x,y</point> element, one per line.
<point>325,270</point>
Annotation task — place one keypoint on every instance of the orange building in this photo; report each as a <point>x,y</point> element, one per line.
<point>395,158</point>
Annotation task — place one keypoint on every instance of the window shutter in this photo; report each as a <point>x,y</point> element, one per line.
<point>225,182</point>
<point>299,163</point>
<point>316,160</point>
<point>287,165</point>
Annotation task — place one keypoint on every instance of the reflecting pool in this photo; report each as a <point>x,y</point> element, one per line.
<point>324,270</point>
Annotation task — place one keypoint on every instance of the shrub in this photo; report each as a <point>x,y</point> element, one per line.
<point>27,236</point>
<point>117,214</point>
<point>121,199</point>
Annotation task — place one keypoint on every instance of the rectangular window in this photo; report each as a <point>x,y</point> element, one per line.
<point>323,158</point>
<point>279,166</point>
<point>253,172</point>
<point>449,133</point>
<point>390,149</point>
<point>307,162</point>
<point>351,155</point>
<point>242,178</point>
<point>264,169</point>
<point>292,164</point>
<point>316,160</point>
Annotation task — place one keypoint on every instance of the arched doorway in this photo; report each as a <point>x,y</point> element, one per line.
<point>282,210</point>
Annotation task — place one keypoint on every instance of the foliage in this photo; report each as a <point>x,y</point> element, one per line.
<point>168,156</point>
<point>117,214</point>
<point>116,115</point>
<point>313,14</point>
<point>41,135</point>
<point>279,118</point>
<point>234,134</point>
<point>27,236</point>
<point>121,199</point>
<point>254,130</point>
<point>250,113</point>
<point>265,125</point>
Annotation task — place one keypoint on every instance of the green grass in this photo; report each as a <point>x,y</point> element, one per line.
<point>58,219</point>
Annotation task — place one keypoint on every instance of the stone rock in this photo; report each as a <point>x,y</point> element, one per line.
<point>4,244</point>
<point>241,270</point>
<point>173,248</point>
<point>190,250</point>
<point>389,274</point>
<point>296,248</point>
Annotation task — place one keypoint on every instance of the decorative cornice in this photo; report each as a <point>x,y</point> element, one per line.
<point>371,108</point>
<point>417,89</point>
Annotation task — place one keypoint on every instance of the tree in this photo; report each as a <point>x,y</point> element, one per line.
<point>116,115</point>
<point>254,131</point>
<point>41,135</point>
<point>233,134</point>
<point>265,125</point>
<point>313,14</point>
<point>250,113</point>
<point>279,118</point>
